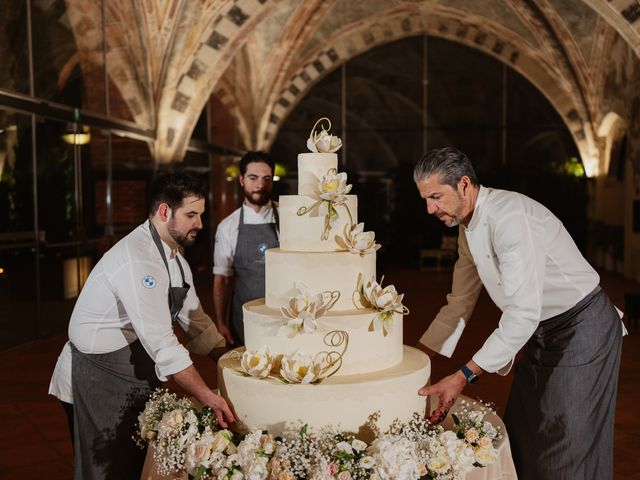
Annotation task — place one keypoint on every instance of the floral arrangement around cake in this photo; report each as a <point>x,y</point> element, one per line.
<point>187,440</point>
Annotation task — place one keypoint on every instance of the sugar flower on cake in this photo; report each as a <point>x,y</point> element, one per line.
<point>301,368</point>
<point>323,141</point>
<point>333,187</point>
<point>357,241</point>
<point>304,309</point>
<point>387,301</point>
<point>257,364</point>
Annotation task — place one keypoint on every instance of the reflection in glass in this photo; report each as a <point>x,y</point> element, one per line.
<point>18,294</point>
<point>67,69</point>
<point>14,47</point>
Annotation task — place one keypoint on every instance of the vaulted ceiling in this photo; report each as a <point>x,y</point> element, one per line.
<point>260,57</point>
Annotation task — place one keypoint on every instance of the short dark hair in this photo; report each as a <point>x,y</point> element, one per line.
<point>172,187</point>
<point>256,156</point>
<point>449,163</point>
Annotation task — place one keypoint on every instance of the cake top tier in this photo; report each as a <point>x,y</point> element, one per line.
<point>322,159</point>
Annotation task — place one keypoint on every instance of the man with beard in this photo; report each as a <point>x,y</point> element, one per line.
<point>241,240</point>
<point>121,332</point>
<point>561,407</point>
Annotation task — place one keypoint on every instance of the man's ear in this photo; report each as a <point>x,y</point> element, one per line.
<point>464,184</point>
<point>241,180</point>
<point>164,212</point>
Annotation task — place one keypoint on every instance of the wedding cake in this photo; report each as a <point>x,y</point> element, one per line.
<point>324,347</point>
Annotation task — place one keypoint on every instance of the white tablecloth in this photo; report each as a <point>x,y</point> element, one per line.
<point>503,469</point>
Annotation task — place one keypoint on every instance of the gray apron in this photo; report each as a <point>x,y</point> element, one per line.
<point>109,392</point>
<point>562,403</point>
<point>248,266</point>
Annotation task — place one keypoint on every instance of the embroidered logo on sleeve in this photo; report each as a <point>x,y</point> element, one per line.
<point>148,281</point>
<point>262,248</point>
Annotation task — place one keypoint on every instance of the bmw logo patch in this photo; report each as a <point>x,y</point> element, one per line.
<point>262,248</point>
<point>148,281</point>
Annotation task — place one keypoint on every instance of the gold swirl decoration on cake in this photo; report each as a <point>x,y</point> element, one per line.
<point>295,368</point>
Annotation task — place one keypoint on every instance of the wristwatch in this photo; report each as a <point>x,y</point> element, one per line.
<point>469,375</point>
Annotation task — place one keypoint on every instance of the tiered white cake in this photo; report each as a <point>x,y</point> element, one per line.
<point>372,370</point>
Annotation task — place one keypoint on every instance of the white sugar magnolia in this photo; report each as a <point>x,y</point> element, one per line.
<point>333,187</point>
<point>387,301</point>
<point>304,308</point>
<point>323,141</point>
<point>301,368</point>
<point>257,363</point>
<point>356,240</point>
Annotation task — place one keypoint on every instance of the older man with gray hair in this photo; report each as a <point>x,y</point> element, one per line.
<point>561,407</point>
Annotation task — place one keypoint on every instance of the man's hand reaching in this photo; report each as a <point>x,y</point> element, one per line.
<point>447,390</point>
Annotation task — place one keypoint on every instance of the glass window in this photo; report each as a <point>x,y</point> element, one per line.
<point>14,46</point>
<point>67,53</point>
<point>18,284</point>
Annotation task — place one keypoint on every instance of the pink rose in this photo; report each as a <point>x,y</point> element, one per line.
<point>332,469</point>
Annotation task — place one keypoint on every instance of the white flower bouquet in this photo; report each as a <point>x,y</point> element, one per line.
<point>471,426</point>
<point>187,440</point>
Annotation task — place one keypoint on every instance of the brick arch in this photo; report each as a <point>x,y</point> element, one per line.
<point>487,37</point>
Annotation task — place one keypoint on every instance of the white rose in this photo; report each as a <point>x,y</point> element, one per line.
<point>171,422</point>
<point>344,447</point>
<point>489,430</point>
<point>198,453</point>
<point>471,436</point>
<point>485,442</point>
<point>439,465</point>
<point>358,445</point>
<point>237,475</point>
<point>344,475</point>
<point>485,456</point>
<point>221,440</point>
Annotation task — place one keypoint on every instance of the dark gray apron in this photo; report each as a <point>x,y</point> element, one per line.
<point>248,267</point>
<point>562,402</point>
<point>109,392</point>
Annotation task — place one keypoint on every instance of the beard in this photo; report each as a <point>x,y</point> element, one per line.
<point>183,239</point>
<point>257,198</point>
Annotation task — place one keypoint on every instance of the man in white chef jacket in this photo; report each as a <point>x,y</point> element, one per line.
<point>561,407</point>
<point>121,335</point>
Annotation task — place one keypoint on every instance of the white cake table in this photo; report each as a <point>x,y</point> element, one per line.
<point>503,469</point>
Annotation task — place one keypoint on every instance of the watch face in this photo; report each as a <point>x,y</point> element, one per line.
<point>473,378</point>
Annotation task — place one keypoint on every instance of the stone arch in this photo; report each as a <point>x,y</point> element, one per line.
<point>611,132</point>
<point>623,16</point>
<point>478,33</point>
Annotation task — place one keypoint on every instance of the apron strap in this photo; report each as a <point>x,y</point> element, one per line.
<point>158,242</point>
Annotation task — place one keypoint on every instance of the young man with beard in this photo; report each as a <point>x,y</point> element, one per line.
<point>121,332</point>
<point>562,402</point>
<point>241,241</point>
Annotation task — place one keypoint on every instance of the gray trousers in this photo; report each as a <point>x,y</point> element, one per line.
<point>561,407</point>
<point>109,392</point>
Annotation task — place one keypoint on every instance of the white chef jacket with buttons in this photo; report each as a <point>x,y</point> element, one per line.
<point>227,235</point>
<point>530,267</point>
<point>125,298</point>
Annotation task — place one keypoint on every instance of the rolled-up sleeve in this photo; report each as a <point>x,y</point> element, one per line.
<point>521,264</point>
<point>445,330</point>
<point>142,289</point>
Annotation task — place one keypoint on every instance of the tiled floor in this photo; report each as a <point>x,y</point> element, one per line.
<point>34,442</point>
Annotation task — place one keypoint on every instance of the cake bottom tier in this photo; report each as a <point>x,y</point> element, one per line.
<point>343,402</point>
